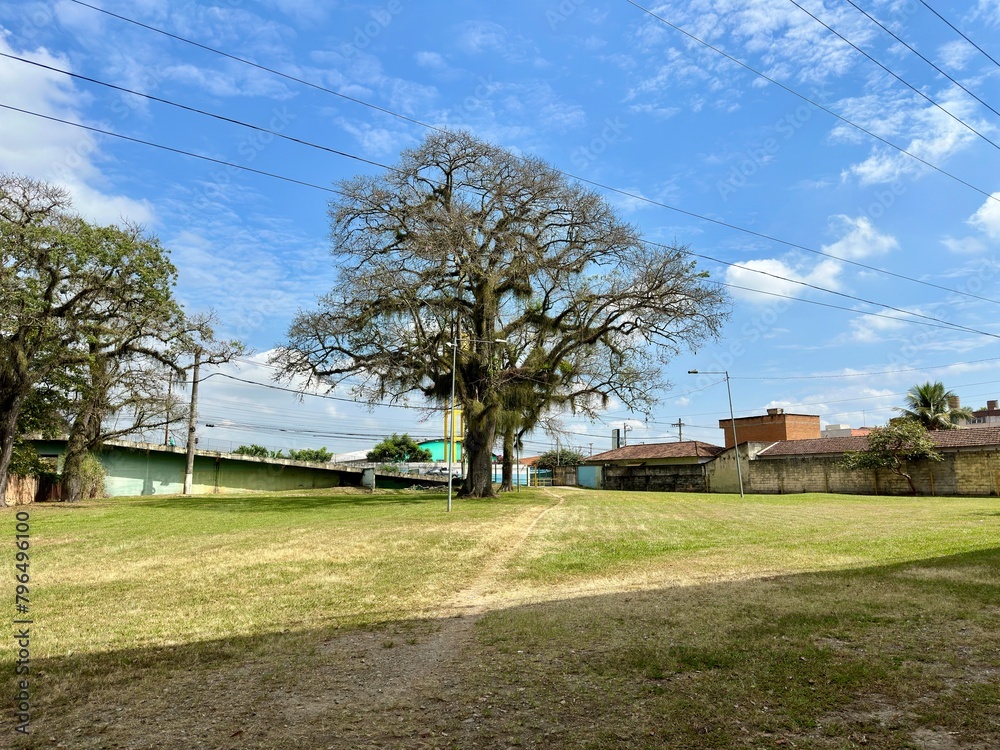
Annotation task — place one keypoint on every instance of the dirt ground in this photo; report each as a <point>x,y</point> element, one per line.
<point>400,685</point>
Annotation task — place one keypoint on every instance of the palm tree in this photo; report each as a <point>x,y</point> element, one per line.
<point>928,405</point>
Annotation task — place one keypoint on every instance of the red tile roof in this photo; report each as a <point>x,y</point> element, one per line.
<point>977,437</point>
<point>686,449</point>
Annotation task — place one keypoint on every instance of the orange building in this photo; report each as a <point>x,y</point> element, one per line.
<point>771,427</point>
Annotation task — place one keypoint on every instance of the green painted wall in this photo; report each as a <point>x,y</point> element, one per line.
<point>438,449</point>
<point>159,470</point>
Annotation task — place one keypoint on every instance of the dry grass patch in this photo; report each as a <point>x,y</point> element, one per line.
<point>613,620</point>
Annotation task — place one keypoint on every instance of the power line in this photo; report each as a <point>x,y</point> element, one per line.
<point>831,291</point>
<point>594,183</point>
<point>326,396</point>
<point>806,99</point>
<point>899,78</point>
<point>946,326</point>
<point>889,31</point>
<point>863,374</point>
<point>170,149</point>
<point>960,33</point>
<point>205,113</point>
<point>252,64</point>
<point>936,322</point>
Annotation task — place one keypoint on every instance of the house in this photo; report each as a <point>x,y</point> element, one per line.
<point>771,427</point>
<point>679,466</point>
<point>439,449</point>
<point>988,416</point>
<point>787,453</point>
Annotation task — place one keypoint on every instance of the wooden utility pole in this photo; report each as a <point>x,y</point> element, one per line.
<point>166,427</point>
<point>680,429</point>
<point>189,466</point>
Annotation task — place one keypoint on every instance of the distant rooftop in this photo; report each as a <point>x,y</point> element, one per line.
<point>644,452</point>
<point>977,438</point>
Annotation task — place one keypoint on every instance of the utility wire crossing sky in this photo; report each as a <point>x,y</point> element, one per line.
<point>833,164</point>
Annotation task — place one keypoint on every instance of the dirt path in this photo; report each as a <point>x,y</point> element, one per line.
<point>396,689</point>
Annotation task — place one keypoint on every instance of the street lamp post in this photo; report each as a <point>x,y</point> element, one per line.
<point>451,420</point>
<point>732,417</point>
<point>451,415</point>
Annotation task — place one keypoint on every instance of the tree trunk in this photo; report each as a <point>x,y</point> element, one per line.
<point>83,436</point>
<point>507,478</point>
<point>10,407</point>
<point>72,480</point>
<point>479,438</point>
<point>898,469</point>
<point>909,479</point>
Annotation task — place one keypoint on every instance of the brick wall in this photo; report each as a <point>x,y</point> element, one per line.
<point>770,428</point>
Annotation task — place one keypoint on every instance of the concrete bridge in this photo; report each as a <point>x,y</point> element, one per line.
<point>153,469</point>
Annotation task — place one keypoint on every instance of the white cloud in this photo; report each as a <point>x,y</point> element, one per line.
<point>987,218</point>
<point>956,54</point>
<point>240,81</point>
<point>376,141</point>
<point>964,245</point>
<point>305,11</point>
<point>861,240</point>
<point>773,276</point>
<point>430,60</point>
<point>479,37</point>
<point>987,12</point>
<point>771,35</point>
<point>869,329</point>
<point>921,129</point>
<point>52,151</point>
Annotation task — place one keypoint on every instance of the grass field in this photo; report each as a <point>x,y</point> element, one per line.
<point>545,618</point>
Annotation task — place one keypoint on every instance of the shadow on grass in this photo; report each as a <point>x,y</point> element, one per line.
<point>269,503</point>
<point>898,656</point>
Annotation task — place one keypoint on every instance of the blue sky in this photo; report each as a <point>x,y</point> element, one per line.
<point>602,90</point>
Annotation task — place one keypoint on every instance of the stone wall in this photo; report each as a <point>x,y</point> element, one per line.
<point>964,472</point>
<point>656,478</point>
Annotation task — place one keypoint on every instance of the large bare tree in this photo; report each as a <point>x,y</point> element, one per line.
<point>550,298</point>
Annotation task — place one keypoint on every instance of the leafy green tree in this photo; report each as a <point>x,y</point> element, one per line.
<point>929,405</point>
<point>310,454</point>
<point>399,449</point>
<point>561,457</point>
<point>253,449</point>
<point>535,278</point>
<point>892,447</point>
<point>72,293</point>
